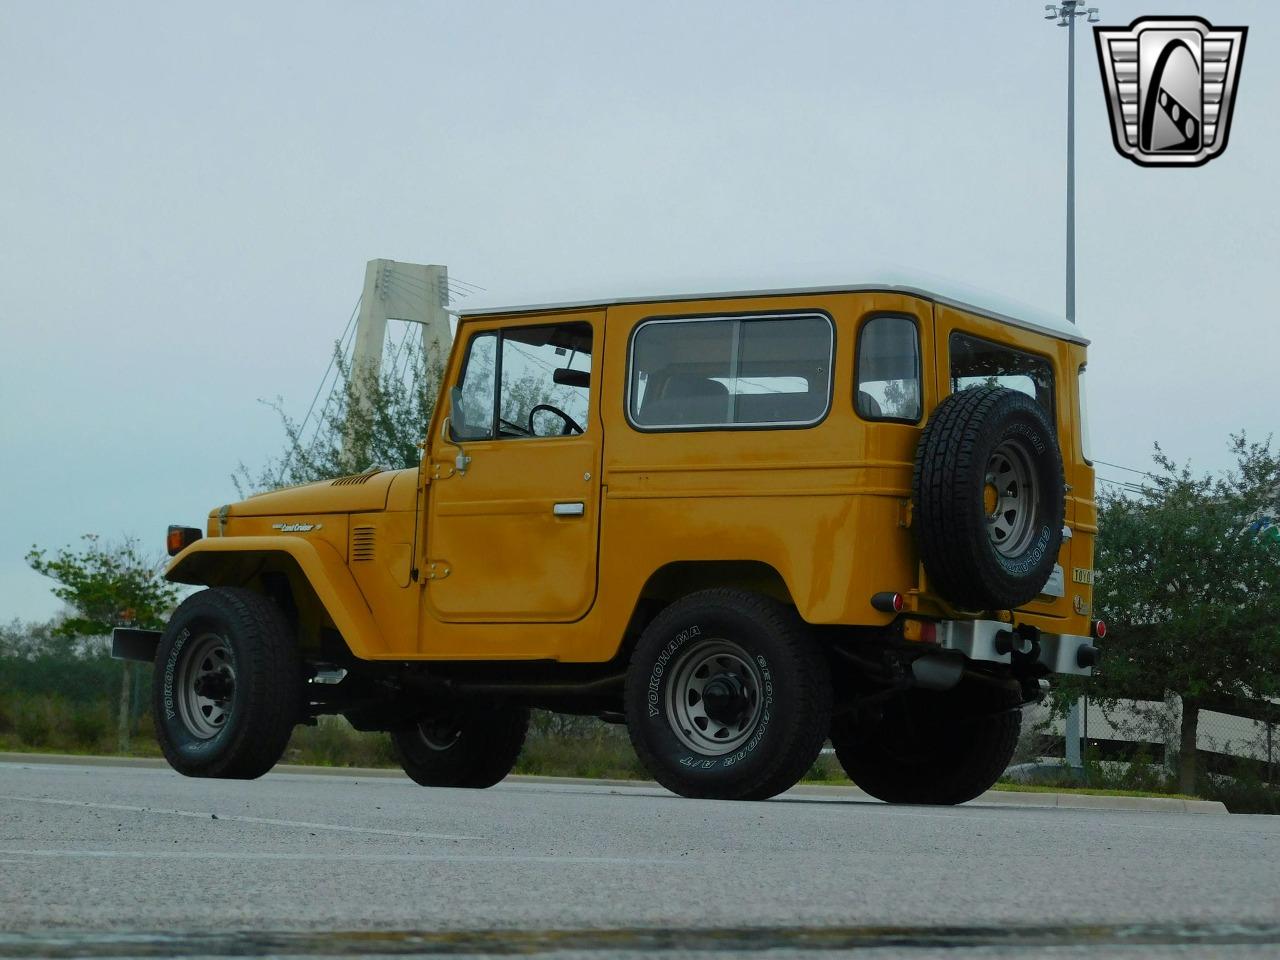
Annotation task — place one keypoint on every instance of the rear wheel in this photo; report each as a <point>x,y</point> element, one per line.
<point>227,685</point>
<point>929,747</point>
<point>473,744</point>
<point>727,697</point>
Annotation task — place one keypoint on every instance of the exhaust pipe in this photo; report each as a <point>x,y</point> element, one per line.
<point>937,671</point>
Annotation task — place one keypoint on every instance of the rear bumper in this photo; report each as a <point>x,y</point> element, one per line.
<point>128,643</point>
<point>993,641</point>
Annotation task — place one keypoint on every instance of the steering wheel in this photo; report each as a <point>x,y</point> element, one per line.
<point>570,425</point>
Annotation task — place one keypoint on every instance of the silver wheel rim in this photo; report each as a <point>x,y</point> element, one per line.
<point>438,736</point>
<point>206,686</point>
<point>706,670</point>
<point>1011,499</point>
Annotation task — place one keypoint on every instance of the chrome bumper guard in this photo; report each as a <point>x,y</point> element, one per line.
<point>996,642</point>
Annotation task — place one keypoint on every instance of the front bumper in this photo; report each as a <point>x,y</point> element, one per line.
<point>993,641</point>
<point>128,643</point>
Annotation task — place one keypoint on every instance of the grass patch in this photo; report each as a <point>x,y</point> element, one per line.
<point>588,749</point>
<point>333,742</point>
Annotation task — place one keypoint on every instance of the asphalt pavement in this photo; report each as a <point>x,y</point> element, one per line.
<point>138,861</point>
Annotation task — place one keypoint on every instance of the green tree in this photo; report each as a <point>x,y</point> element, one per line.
<point>381,420</point>
<point>368,420</point>
<point>1188,581</point>
<point>105,584</point>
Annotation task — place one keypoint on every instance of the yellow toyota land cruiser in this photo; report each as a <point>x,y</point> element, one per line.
<point>739,523</point>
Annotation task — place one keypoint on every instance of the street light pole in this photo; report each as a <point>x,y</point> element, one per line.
<point>1065,13</point>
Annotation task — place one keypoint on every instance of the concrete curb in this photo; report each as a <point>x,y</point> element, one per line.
<point>999,798</point>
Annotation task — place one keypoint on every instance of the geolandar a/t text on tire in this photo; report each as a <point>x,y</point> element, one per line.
<point>739,523</point>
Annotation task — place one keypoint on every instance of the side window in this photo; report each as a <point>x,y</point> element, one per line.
<point>978,363</point>
<point>524,382</point>
<point>889,370</point>
<point>730,372</point>
<point>471,415</point>
<point>1083,419</point>
<point>546,372</point>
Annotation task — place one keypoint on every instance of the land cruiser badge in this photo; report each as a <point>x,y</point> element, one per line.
<point>1170,84</point>
<point>296,527</point>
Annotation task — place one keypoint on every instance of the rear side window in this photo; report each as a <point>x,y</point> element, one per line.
<point>725,372</point>
<point>889,370</point>
<point>1084,419</point>
<point>980,363</point>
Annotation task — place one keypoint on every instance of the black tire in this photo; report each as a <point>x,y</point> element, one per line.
<point>929,747</point>
<point>975,557</point>
<point>234,645</point>
<point>472,744</point>
<point>746,642</point>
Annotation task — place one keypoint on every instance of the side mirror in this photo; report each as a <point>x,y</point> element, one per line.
<point>461,461</point>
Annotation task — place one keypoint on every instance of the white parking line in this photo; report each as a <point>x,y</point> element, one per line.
<point>210,815</point>
<point>340,855</point>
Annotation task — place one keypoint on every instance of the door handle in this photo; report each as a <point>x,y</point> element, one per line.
<point>573,508</point>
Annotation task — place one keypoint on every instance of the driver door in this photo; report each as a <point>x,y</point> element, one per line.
<point>513,536</point>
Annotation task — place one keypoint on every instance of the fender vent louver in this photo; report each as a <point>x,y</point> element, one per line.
<point>356,478</point>
<point>362,543</point>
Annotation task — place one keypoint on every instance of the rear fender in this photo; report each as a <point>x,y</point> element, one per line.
<point>232,561</point>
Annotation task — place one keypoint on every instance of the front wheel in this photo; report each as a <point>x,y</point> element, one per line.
<point>727,697</point>
<point>929,747</point>
<point>227,685</point>
<point>470,744</point>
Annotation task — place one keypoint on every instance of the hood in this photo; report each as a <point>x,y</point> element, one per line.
<point>359,493</point>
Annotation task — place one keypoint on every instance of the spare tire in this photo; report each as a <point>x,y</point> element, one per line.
<point>987,498</point>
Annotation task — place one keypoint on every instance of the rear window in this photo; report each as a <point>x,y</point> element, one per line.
<point>889,370</point>
<point>980,363</point>
<point>727,372</point>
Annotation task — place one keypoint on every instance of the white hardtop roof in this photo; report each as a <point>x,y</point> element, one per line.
<point>1005,311</point>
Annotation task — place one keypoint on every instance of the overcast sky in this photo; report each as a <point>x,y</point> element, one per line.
<point>189,195</point>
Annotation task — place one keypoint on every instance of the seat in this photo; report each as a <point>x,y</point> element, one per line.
<point>686,400</point>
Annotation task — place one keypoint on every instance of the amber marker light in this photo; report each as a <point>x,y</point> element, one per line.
<point>180,538</point>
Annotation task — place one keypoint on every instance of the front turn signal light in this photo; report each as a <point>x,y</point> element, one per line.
<point>180,538</point>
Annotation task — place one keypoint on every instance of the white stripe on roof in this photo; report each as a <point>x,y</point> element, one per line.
<point>1014,314</point>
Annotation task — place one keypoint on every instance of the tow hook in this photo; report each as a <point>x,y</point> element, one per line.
<point>1022,643</point>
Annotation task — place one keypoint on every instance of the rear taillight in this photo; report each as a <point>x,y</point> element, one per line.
<point>920,631</point>
<point>1098,629</point>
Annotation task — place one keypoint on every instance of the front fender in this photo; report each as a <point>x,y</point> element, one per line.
<point>220,561</point>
